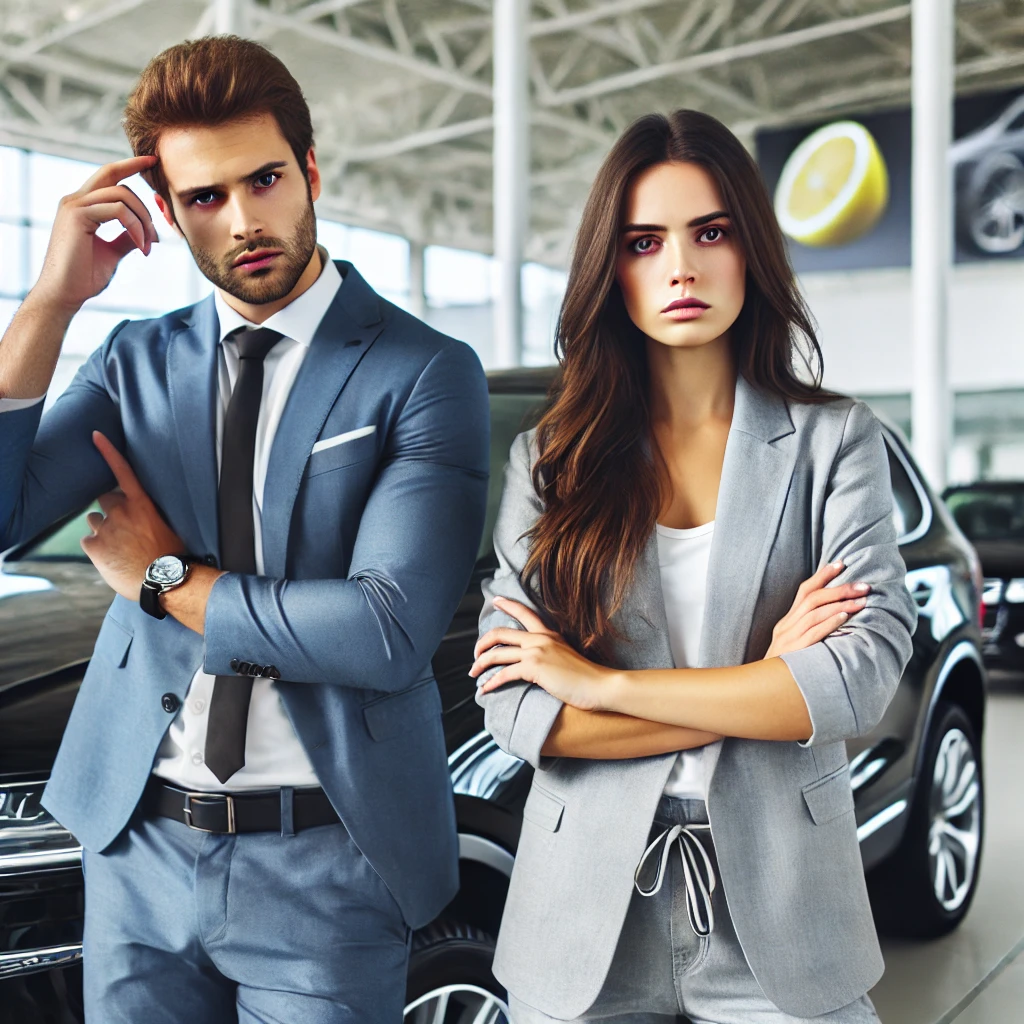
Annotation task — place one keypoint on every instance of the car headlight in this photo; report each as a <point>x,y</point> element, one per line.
<point>1015,591</point>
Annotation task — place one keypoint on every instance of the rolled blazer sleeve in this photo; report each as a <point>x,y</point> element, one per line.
<point>518,715</point>
<point>849,678</point>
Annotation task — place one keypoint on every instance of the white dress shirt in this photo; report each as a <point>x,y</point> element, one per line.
<point>683,561</point>
<point>273,754</point>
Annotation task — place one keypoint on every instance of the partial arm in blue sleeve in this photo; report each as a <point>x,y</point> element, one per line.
<point>411,562</point>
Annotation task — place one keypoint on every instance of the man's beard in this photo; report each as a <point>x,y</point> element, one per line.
<point>275,282</point>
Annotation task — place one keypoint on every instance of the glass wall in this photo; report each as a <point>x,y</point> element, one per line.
<point>459,284</point>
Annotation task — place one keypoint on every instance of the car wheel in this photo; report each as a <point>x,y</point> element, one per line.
<point>995,204</point>
<point>925,888</point>
<point>450,979</point>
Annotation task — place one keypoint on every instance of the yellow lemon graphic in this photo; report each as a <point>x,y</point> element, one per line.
<point>834,186</point>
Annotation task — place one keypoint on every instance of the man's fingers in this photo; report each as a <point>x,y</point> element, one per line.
<point>109,501</point>
<point>93,519</point>
<point>123,473</point>
<point>519,611</point>
<point>111,174</point>
<point>101,213</point>
<point>121,194</point>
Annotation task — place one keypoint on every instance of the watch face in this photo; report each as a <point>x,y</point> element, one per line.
<point>166,569</point>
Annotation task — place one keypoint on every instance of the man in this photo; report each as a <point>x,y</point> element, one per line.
<point>255,763</point>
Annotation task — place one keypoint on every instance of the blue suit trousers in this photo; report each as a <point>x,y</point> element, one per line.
<point>183,927</point>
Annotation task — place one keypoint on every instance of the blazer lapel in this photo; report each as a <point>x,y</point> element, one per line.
<point>348,329</point>
<point>756,475</point>
<point>192,393</point>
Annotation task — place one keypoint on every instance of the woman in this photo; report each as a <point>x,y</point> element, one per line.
<point>699,598</point>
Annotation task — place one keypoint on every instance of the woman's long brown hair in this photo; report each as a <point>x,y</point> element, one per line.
<point>595,472</point>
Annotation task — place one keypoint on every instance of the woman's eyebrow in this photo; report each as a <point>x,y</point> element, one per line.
<point>695,223</point>
<point>698,222</point>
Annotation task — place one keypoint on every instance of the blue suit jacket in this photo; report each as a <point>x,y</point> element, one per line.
<point>368,547</point>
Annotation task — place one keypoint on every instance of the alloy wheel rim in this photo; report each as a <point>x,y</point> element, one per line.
<point>457,1004</point>
<point>954,836</point>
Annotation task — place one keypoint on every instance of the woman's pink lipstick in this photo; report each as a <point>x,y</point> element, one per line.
<point>685,309</point>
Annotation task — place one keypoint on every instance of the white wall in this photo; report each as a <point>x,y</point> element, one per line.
<point>864,327</point>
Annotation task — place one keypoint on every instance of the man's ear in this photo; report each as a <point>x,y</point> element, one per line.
<point>313,175</point>
<point>165,208</point>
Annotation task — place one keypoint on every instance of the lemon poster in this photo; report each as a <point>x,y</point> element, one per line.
<point>841,189</point>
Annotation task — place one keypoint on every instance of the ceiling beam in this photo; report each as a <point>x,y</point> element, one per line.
<point>714,58</point>
<point>74,27</point>
<point>371,51</point>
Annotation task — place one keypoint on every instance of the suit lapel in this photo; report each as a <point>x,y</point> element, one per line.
<point>346,332</point>
<point>192,393</point>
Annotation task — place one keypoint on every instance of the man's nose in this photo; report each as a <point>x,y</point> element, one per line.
<point>245,223</point>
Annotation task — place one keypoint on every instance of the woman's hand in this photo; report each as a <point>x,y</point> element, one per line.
<point>817,611</point>
<point>539,656</point>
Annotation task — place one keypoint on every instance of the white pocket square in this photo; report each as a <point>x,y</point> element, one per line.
<point>349,435</point>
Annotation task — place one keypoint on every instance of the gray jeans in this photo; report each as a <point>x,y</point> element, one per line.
<point>663,970</point>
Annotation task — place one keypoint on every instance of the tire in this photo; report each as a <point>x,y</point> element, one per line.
<point>450,979</point>
<point>941,849</point>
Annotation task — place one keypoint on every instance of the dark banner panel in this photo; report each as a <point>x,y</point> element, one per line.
<point>987,160</point>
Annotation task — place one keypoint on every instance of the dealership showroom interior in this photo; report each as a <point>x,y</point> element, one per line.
<point>456,142</point>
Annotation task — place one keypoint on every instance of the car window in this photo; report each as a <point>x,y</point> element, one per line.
<point>988,514</point>
<point>907,510</point>
<point>510,415</point>
<point>60,543</point>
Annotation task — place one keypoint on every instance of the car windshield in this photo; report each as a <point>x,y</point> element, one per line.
<point>989,514</point>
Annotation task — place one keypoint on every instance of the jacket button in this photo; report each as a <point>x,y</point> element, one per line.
<point>234,664</point>
<point>255,670</point>
<point>271,672</point>
<point>170,703</point>
<point>210,560</point>
<point>243,668</point>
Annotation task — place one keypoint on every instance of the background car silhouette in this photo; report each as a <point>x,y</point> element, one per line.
<point>988,183</point>
<point>917,778</point>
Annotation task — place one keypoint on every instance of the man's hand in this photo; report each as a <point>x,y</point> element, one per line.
<point>130,533</point>
<point>78,264</point>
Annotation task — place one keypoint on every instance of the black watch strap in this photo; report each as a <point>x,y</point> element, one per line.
<point>149,601</point>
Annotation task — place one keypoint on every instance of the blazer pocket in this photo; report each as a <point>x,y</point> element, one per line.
<point>543,809</point>
<point>396,713</point>
<point>113,642</point>
<point>342,453</point>
<point>830,797</point>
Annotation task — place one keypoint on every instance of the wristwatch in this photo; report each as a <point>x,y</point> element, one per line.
<point>163,574</point>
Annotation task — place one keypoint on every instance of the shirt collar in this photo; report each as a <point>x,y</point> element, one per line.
<point>300,318</point>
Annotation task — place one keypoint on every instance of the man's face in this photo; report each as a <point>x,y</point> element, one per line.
<point>242,204</point>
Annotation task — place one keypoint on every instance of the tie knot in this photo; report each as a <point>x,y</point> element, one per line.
<point>256,343</point>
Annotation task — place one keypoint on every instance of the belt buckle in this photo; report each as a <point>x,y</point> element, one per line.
<point>229,803</point>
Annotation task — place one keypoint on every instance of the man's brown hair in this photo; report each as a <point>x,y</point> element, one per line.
<point>213,81</point>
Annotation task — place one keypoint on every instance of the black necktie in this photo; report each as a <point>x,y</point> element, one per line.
<point>229,705</point>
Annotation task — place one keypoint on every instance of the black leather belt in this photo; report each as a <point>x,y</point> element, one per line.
<point>230,813</point>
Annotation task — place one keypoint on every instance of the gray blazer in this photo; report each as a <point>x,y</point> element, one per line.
<point>801,485</point>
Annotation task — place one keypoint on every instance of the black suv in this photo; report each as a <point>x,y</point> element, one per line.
<point>916,779</point>
<point>991,514</point>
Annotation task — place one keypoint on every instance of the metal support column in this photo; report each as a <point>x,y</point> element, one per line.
<point>417,288</point>
<point>229,17</point>
<point>931,232</point>
<point>511,174</point>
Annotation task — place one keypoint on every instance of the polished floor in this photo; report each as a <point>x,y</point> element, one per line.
<point>976,975</point>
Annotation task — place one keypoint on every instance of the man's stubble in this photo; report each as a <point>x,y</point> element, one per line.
<point>262,286</point>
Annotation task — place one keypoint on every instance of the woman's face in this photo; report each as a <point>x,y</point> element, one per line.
<point>680,267</point>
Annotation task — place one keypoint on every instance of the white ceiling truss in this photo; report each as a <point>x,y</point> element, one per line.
<point>401,89</point>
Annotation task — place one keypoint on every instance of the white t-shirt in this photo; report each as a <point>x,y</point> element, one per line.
<point>683,561</point>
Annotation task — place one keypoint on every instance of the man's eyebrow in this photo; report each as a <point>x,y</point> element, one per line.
<point>695,223</point>
<point>271,165</point>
